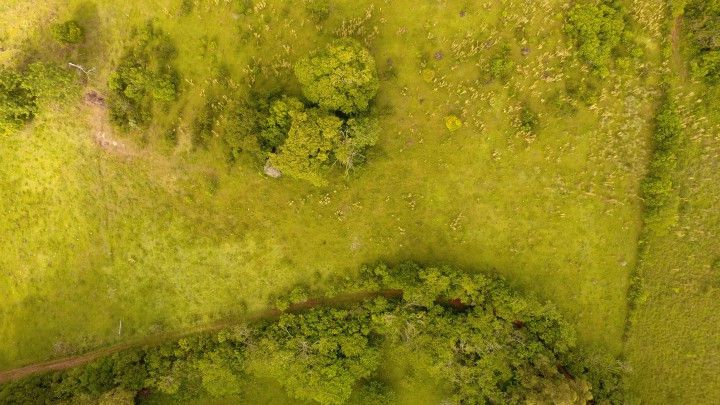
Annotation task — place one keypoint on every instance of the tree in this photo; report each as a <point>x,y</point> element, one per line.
<point>313,136</point>
<point>69,32</point>
<point>317,356</point>
<point>342,77</point>
<point>597,29</point>
<point>358,134</point>
<point>145,75</point>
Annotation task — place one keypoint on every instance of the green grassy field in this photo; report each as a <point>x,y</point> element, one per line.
<point>162,237</point>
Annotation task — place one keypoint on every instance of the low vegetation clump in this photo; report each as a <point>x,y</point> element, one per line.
<point>658,190</point>
<point>144,76</point>
<point>703,28</point>
<point>598,29</point>
<point>69,32</point>
<point>480,342</point>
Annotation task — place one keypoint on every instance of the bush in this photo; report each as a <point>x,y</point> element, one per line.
<point>597,28</point>
<point>144,76</point>
<point>342,77</point>
<point>703,27</point>
<point>500,66</point>
<point>528,120</point>
<point>657,189</point>
<point>453,123</point>
<point>17,99</point>
<point>23,92</point>
<point>69,32</point>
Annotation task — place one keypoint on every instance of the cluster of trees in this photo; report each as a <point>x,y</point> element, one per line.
<point>304,139</point>
<point>144,76</point>
<point>703,27</point>
<point>469,336</point>
<point>599,31</point>
<point>657,189</point>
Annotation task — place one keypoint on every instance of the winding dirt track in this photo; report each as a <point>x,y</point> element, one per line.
<point>74,361</point>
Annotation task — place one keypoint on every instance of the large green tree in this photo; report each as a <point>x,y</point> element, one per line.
<point>308,150</point>
<point>341,77</point>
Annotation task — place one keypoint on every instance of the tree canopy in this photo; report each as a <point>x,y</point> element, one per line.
<point>468,336</point>
<point>145,75</point>
<point>597,29</point>
<point>341,77</point>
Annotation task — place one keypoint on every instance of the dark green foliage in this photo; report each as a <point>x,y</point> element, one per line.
<point>703,28</point>
<point>276,124</point>
<point>470,336</point>
<point>17,98</point>
<point>341,77</point>
<point>144,76</point>
<point>69,32</point>
<point>597,28</point>
<point>23,93</point>
<point>657,189</point>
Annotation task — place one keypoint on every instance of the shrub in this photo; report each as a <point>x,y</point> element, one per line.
<point>144,76</point>
<point>703,27</point>
<point>69,32</point>
<point>501,65</point>
<point>528,119</point>
<point>23,92</point>
<point>341,77</point>
<point>453,123</point>
<point>597,28</point>
<point>657,189</point>
<point>17,99</point>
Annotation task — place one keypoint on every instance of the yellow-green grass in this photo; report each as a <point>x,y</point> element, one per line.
<point>673,348</point>
<point>168,237</point>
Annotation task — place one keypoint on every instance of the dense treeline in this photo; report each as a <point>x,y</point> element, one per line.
<point>469,336</point>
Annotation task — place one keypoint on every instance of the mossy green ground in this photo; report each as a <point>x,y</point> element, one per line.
<point>163,237</point>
